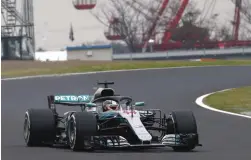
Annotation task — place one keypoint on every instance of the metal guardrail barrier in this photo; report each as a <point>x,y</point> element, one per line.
<point>186,54</point>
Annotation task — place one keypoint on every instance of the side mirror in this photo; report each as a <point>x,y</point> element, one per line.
<point>91,105</point>
<point>139,103</point>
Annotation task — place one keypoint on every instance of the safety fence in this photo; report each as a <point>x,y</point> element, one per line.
<point>187,54</point>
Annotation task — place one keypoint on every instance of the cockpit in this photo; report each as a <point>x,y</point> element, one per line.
<point>118,102</point>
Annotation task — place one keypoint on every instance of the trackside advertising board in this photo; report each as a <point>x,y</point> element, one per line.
<point>72,98</point>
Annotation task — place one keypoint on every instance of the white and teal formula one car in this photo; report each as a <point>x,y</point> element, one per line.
<point>107,120</point>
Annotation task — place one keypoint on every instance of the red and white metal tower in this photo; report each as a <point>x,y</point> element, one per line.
<point>156,17</point>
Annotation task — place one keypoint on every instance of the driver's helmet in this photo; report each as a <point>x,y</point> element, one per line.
<point>110,105</point>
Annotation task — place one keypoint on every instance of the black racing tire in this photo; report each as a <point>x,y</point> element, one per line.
<point>82,126</point>
<point>184,123</point>
<point>39,127</point>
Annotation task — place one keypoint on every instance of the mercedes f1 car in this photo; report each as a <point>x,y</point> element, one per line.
<point>130,125</point>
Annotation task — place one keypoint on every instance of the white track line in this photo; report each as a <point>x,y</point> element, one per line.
<point>113,71</point>
<point>199,101</point>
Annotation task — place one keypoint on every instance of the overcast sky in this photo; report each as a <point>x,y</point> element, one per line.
<point>53,18</point>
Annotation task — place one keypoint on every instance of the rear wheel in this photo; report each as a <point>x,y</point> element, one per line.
<point>39,127</point>
<point>185,123</point>
<point>82,126</point>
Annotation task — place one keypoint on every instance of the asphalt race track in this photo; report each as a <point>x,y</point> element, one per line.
<point>223,136</point>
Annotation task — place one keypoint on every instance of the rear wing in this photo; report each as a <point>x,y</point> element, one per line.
<point>70,100</point>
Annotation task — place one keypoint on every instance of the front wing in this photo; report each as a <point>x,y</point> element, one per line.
<point>171,140</point>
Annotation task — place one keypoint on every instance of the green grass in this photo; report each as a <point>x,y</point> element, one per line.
<point>64,67</point>
<point>236,100</point>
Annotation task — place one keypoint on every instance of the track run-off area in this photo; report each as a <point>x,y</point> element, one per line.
<point>223,136</point>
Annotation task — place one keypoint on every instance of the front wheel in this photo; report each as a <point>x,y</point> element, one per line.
<point>185,126</point>
<point>82,126</point>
